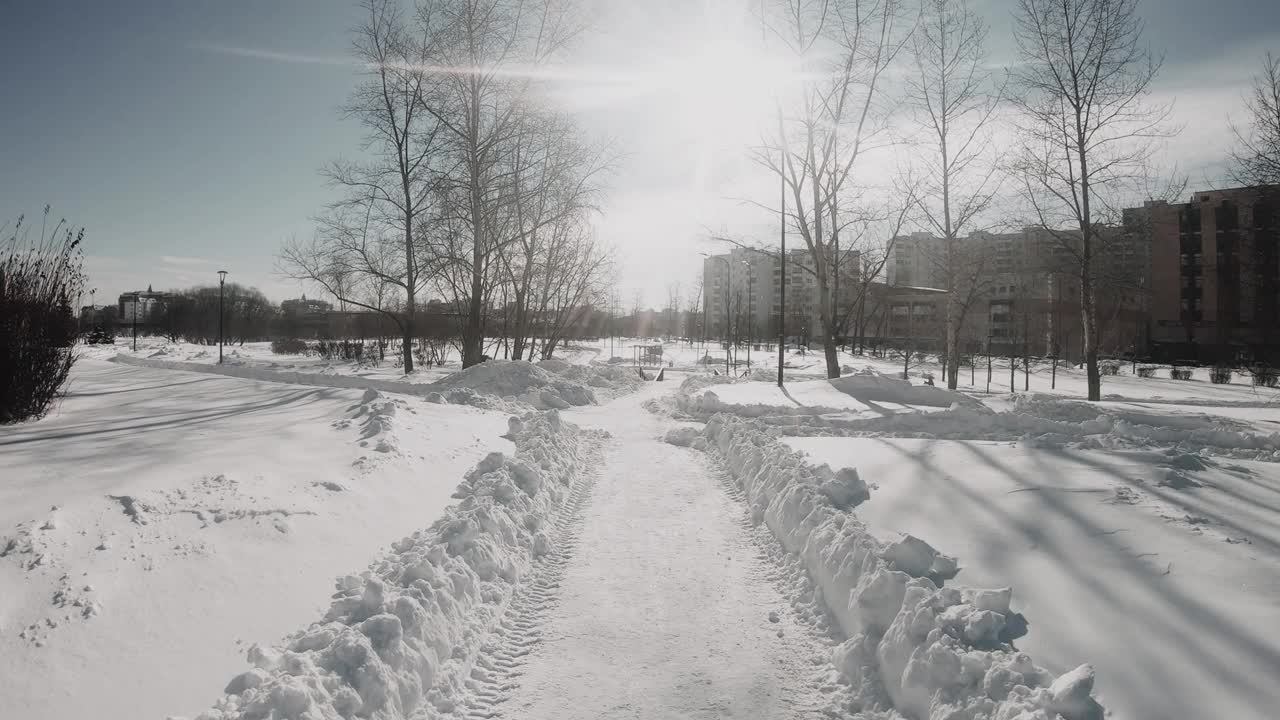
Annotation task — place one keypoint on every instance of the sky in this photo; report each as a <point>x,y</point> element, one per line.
<point>187,136</point>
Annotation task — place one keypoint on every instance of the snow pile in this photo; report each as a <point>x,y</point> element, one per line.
<point>857,393</point>
<point>1042,420</point>
<point>686,436</point>
<point>690,400</point>
<point>376,414</point>
<point>867,384</point>
<point>521,381</point>
<point>400,637</point>
<point>936,652</point>
<point>610,379</point>
<point>472,398</point>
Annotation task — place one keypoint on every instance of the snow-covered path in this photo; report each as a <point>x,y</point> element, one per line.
<point>670,606</point>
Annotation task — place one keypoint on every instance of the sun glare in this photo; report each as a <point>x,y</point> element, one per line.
<point>725,89</point>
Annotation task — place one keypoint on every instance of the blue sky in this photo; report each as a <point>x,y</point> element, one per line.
<point>180,158</point>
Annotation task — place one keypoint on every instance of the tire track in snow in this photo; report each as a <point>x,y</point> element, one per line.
<point>496,670</point>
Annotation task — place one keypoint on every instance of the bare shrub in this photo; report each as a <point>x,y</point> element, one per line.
<point>1220,375</point>
<point>291,346</point>
<point>1180,373</point>
<point>38,282</point>
<point>1265,376</point>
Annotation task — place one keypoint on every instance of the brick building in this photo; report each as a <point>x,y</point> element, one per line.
<point>1216,276</point>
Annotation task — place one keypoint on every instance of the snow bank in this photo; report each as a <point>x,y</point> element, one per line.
<point>610,379</point>
<point>1043,420</point>
<point>856,393</point>
<point>867,384</point>
<point>936,652</point>
<point>550,384</point>
<point>503,385</point>
<point>521,380</point>
<point>400,637</point>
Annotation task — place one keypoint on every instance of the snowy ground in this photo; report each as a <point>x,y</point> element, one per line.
<point>249,498</point>
<point>258,355</point>
<point>200,519</point>
<point>1111,568</point>
<point>667,607</point>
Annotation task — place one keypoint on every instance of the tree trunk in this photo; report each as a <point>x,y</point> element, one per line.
<point>952,366</point>
<point>826,316</point>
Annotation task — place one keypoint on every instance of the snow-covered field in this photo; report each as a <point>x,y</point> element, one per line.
<point>158,523</point>
<point>174,530</point>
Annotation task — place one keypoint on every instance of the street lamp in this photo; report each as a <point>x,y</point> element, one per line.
<point>782,281</point>
<point>135,321</point>
<point>728,281</point>
<point>750,316</point>
<point>222,281</point>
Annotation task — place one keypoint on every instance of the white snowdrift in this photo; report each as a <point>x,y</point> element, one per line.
<point>503,385</point>
<point>865,394</point>
<point>938,652</point>
<point>1041,419</point>
<point>867,384</point>
<point>400,637</point>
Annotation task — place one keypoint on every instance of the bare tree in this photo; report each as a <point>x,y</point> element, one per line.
<point>847,47</point>
<point>1256,156</point>
<point>483,56</point>
<point>953,96</point>
<point>693,311</point>
<point>373,234</point>
<point>672,310</point>
<point>554,178</point>
<point>1087,128</point>
<point>579,267</point>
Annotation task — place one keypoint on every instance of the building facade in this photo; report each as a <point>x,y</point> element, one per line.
<point>742,293</point>
<point>1020,291</point>
<point>1216,276</point>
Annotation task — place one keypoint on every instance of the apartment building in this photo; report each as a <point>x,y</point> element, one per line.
<point>1216,275</point>
<point>742,292</point>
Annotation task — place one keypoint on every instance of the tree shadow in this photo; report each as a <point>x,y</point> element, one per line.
<point>1216,645</point>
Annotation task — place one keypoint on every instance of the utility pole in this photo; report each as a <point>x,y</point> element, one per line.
<point>988,362</point>
<point>135,321</point>
<point>1026,358</point>
<point>222,281</point>
<point>750,315</point>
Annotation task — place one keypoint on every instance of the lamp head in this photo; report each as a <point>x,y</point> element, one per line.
<point>222,276</point>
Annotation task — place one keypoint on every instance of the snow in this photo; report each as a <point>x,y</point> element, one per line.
<point>503,385</point>
<point>865,395</point>
<point>206,514</point>
<point>664,609</point>
<point>565,539</point>
<point>936,653</point>
<point>402,637</point>
<point>1142,581</point>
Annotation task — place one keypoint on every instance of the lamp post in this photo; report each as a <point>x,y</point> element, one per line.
<point>135,321</point>
<point>222,281</point>
<point>728,281</point>
<point>750,316</point>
